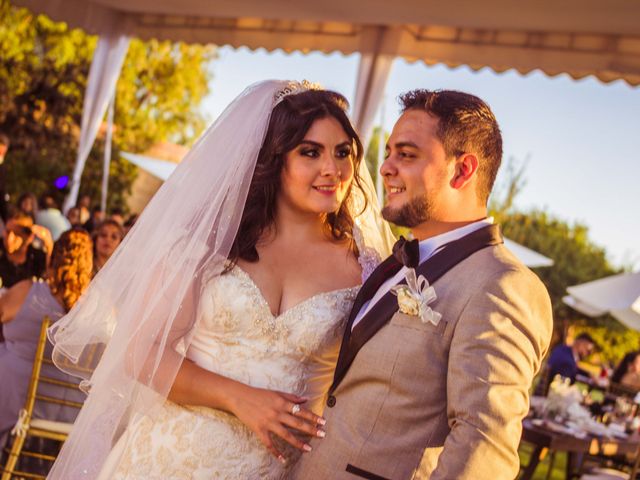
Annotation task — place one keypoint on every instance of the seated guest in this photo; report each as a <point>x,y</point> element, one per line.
<point>28,203</point>
<point>117,216</point>
<point>564,359</point>
<point>51,217</point>
<point>96,218</point>
<point>22,309</point>
<point>19,257</point>
<point>131,221</point>
<point>84,203</point>
<point>4,197</point>
<point>73,215</point>
<point>107,238</point>
<point>627,373</point>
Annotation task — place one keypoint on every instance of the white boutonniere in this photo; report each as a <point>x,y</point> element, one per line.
<point>414,298</point>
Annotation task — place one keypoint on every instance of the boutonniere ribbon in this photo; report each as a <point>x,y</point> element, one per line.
<point>414,298</point>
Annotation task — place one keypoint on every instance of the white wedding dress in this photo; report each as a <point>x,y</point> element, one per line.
<point>237,336</point>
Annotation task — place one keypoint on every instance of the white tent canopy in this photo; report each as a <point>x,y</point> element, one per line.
<point>618,295</point>
<point>577,37</point>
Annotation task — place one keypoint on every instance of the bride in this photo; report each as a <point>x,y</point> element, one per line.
<point>220,316</point>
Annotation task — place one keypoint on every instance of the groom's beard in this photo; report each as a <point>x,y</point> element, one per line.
<point>418,210</point>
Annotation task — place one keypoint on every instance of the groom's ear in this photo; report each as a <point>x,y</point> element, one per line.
<point>466,166</point>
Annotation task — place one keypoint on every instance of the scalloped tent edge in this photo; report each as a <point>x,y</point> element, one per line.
<point>579,38</point>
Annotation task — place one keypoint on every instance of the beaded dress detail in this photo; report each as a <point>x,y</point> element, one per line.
<point>238,337</point>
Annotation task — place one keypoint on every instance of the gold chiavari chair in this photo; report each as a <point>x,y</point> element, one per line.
<point>27,426</point>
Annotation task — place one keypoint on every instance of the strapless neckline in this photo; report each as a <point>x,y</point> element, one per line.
<point>311,299</point>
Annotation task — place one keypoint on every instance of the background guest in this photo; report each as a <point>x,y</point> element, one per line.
<point>96,218</point>
<point>627,373</point>
<point>73,215</point>
<point>108,236</point>
<point>43,240</point>
<point>128,225</point>
<point>564,359</point>
<point>28,203</point>
<point>4,146</point>
<point>117,215</point>
<point>22,309</point>
<point>51,217</point>
<point>84,204</point>
<point>19,257</point>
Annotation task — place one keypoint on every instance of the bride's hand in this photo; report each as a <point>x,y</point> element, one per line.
<point>268,412</point>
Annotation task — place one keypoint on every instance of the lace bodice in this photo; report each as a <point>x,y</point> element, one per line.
<point>238,337</point>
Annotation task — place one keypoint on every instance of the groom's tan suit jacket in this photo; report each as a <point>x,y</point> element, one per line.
<point>414,400</point>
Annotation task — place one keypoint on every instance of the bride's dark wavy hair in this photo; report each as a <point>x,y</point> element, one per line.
<point>290,121</point>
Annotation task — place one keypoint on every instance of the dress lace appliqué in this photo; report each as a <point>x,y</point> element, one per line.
<point>369,257</point>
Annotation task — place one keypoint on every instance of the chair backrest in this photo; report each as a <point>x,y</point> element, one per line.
<point>38,378</point>
<point>35,371</point>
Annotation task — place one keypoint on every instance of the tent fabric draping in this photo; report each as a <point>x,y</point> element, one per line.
<point>618,295</point>
<point>103,76</point>
<point>577,37</point>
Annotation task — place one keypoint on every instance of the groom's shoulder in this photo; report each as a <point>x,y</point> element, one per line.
<point>496,280</point>
<point>496,264</point>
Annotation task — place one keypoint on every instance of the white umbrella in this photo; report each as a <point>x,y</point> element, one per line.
<point>527,256</point>
<point>618,295</point>
<point>161,169</point>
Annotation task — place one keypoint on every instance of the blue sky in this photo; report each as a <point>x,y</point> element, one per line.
<point>579,137</point>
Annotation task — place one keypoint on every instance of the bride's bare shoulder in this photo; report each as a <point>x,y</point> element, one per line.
<point>344,258</point>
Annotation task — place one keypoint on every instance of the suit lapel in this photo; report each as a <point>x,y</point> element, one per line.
<point>432,269</point>
<point>386,269</point>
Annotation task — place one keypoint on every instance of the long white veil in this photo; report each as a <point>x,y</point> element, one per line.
<point>128,334</point>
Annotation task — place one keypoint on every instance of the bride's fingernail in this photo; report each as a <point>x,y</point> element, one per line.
<point>321,433</point>
<point>282,459</point>
<point>322,421</point>
<point>306,447</point>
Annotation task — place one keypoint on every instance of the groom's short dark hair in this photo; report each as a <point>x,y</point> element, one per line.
<point>466,125</point>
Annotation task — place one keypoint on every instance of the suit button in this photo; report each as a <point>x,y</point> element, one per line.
<point>331,401</point>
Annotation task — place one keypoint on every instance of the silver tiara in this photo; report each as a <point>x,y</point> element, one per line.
<point>294,88</point>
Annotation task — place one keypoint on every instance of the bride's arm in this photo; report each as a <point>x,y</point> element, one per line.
<point>265,412</point>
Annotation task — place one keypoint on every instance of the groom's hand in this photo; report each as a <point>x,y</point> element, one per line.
<point>268,412</point>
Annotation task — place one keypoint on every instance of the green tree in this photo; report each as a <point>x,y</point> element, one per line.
<point>577,259</point>
<point>504,193</point>
<point>43,76</point>
<point>371,154</point>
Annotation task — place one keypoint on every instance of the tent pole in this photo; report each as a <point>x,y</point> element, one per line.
<point>107,155</point>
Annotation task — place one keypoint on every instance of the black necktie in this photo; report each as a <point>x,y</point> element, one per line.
<point>407,252</point>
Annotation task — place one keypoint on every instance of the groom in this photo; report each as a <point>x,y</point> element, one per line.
<point>437,388</point>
